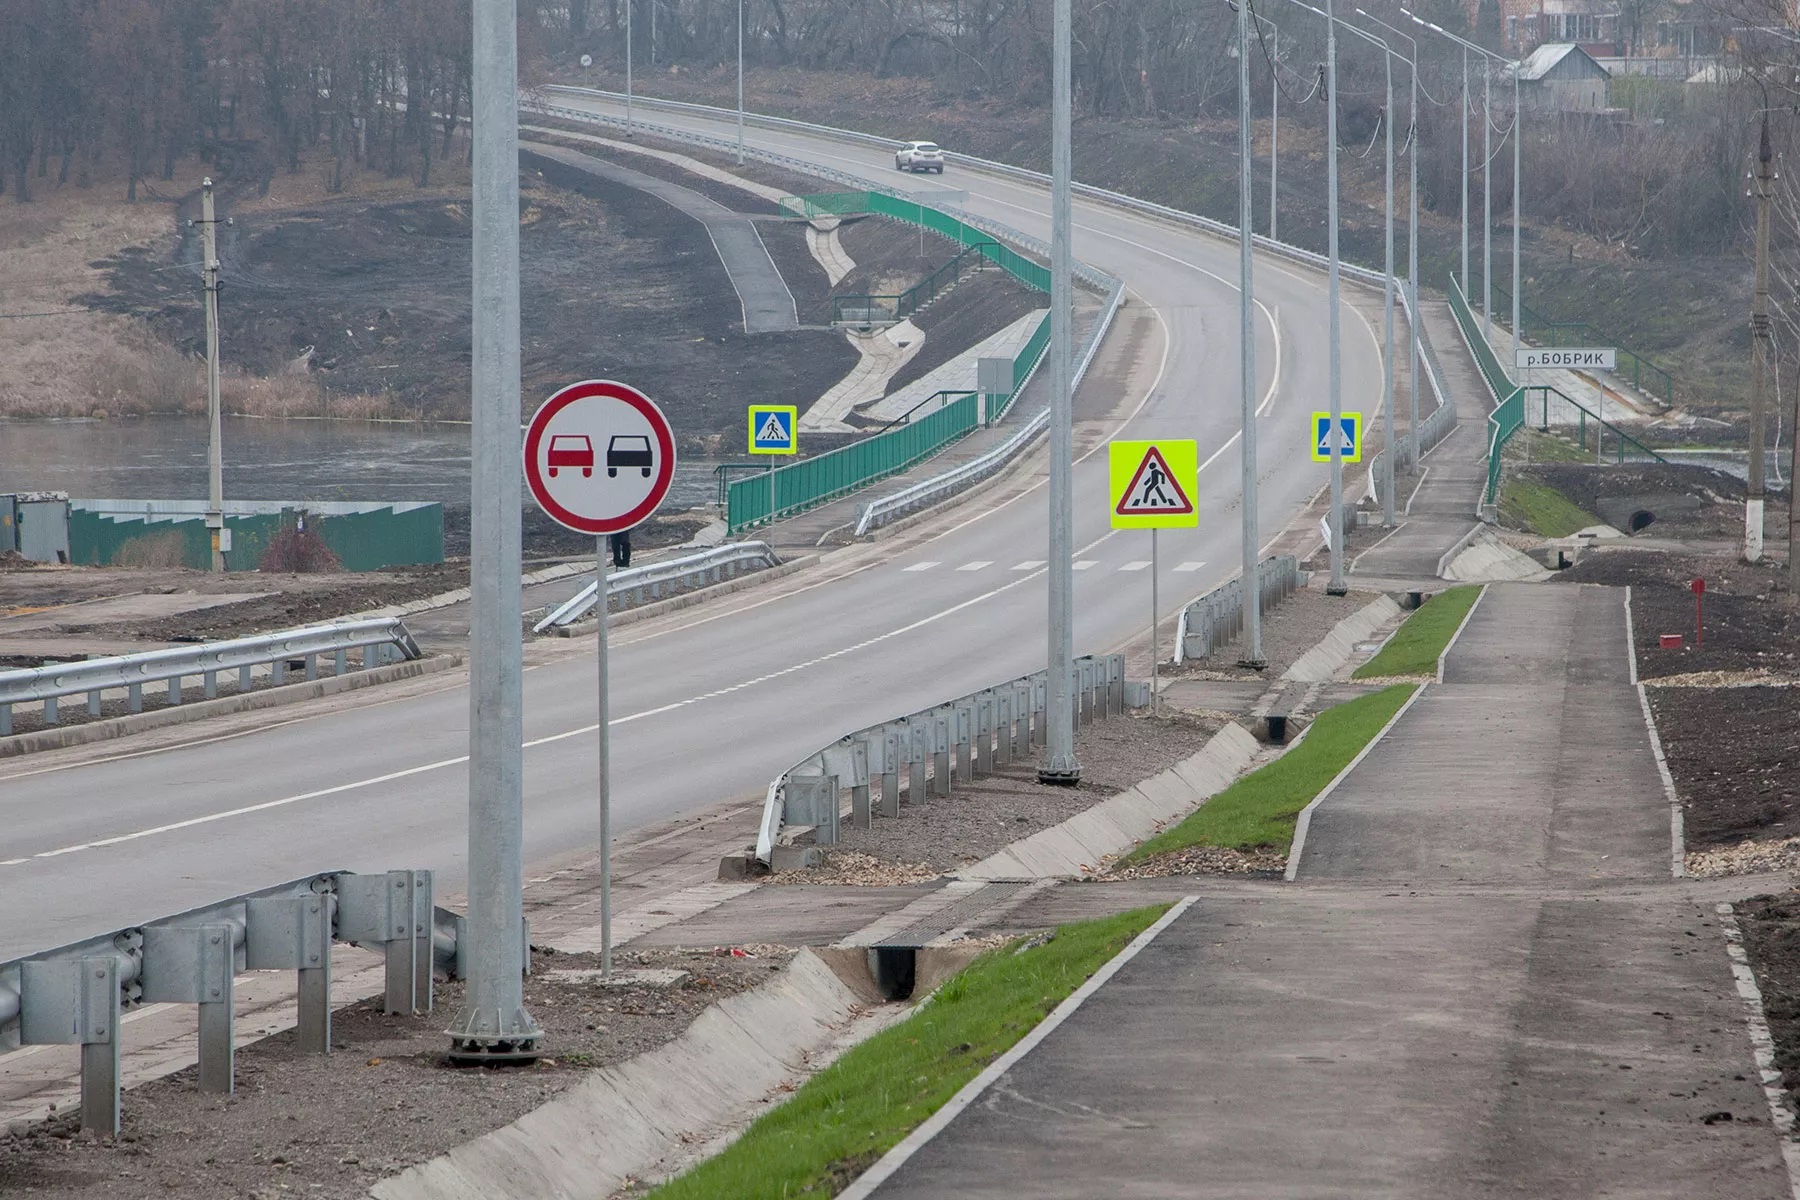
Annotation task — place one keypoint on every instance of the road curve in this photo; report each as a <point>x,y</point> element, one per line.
<point>712,702</point>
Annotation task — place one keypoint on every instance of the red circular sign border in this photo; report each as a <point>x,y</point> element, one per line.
<point>589,389</point>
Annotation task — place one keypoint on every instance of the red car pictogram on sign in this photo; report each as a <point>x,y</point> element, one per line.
<point>571,450</point>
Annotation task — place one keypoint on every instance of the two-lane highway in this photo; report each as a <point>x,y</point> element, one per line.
<point>712,702</point>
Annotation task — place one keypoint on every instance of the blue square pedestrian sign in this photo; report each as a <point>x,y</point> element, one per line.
<point>772,429</point>
<point>1346,441</point>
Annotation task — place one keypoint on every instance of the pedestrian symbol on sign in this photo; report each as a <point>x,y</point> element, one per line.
<point>1342,440</point>
<point>772,429</point>
<point>1152,484</point>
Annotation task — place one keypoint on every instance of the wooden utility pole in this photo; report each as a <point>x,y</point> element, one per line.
<point>1759,349</point>
<point>215,499</point>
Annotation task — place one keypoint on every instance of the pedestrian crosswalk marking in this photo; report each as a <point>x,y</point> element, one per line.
<point>1136,566</point>
<point>922,566</point>
<point>1082,564</point>
<point>1030,564</point>
<point>976,565</point>
<point>1190,566</point>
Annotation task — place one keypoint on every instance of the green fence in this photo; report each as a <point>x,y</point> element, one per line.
<point>1644,375</point>
<point>174,533</point>
<point>813,481</point>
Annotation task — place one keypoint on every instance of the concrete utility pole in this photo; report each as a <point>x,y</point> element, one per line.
<point>215,451</point>
<point>1759,352</point>
<point>1412,230</point>
<point>1252,536</point>
<point>1059,764</point>
<point>494,1026</point>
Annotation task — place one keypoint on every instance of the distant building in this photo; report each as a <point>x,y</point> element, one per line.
<point>1562,77</point>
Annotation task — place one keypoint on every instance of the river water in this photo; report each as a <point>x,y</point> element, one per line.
<point>164,458</point>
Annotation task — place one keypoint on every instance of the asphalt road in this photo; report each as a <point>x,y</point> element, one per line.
<point>712,703</point>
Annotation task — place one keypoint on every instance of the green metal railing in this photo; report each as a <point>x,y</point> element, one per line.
<point>866,310</point>
<point>1644,375</point>
<point>1624,444</point>
<point>813,481</point>
<point>1511,404</point>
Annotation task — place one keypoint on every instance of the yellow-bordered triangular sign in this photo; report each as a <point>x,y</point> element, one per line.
<point>1154,490</point>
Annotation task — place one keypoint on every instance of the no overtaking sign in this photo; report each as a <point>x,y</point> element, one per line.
<point>599,457</point>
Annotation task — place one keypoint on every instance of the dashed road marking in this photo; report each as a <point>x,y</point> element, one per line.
<point>1030,564</point>
<point>977,565</point>
<point>1190,566</point>
<point>920,566</point>
<point>1083,564</point>
<point>1138,565</point>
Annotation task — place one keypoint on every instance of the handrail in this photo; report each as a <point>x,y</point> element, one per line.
<point>909,302</point>
<point>708,566</point>
<point>132,671</point>
<point>1639,364</point>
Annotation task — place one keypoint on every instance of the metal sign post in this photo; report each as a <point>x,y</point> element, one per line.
<point>774,429</point>
<point>599,458</point>
<point>1153,485</point>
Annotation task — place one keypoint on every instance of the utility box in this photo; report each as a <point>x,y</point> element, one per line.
<point>38,524</point>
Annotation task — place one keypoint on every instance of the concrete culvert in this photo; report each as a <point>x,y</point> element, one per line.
<point>1641,520</point>
<point>895,970</point>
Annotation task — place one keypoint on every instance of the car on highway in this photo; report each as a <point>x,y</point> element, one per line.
<point>919,156</point>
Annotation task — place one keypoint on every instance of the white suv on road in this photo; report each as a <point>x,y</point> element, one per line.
<point>919,156</point>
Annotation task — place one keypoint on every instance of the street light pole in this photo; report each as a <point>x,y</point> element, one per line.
<point>1059,764</point>
<point>1252,540</point>
<point>215,452</point>
<point>629,6</point>
<point>1336,586</point>
<point>740,129</point>
<point>1412,234</point>
<point>494,1025</point>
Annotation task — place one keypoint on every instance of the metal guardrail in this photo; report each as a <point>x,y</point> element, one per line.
<point>1411,447</point>
<point>647,582</point>
<point>76,994</point>
<point>869,309</point>
<point>927,753</point>
<point>1217,618</point>
<point>384,638</point>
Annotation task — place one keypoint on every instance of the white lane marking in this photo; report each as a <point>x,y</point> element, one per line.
<point>921,566</point>
<point>977,565</point>
<point>1030,564</point>
<point>423,768</point>
<point>1190,566</point>
<point>1139,565</point>
<point>1082,564</point>
<point>13,862</point>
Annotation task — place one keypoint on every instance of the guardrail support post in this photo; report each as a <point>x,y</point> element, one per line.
<point>312,666</point>
<point>343,661</point>
<point>294,933</point>
<point>941,732</point>
<point>1084,684</point>
<point>891,750</point>
<point>963,720</point>
<point>209,685</point>
<point>916,790</point>
<point>984,734</point>
<point>394,910</point>
<point>195,964</point>
<point>76,1002</point>
<point>243,679</point>
<point>93,704</point>
<point>174,691</point>
<point>49,710</point>
<point>1003,727</point>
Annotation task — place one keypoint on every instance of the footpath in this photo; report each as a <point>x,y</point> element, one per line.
<point>1485,981</point>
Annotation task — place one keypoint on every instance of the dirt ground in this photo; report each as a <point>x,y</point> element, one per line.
<point>386,1099</point>
<point>1730,749</point>
<point>1771,926</point>
<point>1684,501</point>
<point>985,816</point>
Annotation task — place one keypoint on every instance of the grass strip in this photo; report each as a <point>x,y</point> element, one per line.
<point>1259,810</point>
<point>1527,504</point>
<point>850,1114</point>
<point>1416,646</point>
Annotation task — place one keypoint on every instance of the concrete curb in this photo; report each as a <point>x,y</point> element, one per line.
<point>1077,846</point>
<point>162,718</point>
<point>1677,818</point>
<point>1461,544</point>
<point>657,608</point>
<point>1322,662</point>
<point>1303,823</point>
<point>1762,1045</point>
<point>1444,654</point>
<point>625,1119</point>
<point>940,1120</point>
<point>1486,559</point>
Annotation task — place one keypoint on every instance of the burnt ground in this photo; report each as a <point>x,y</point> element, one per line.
<point>1685,501</point>
<point>614,284</point>
<point>331,1126</point>
<point>1731,749</point>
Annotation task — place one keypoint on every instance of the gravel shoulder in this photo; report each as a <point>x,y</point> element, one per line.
<point>331,1126</point>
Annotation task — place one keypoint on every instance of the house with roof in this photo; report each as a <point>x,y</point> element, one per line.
<point>1562,77</point>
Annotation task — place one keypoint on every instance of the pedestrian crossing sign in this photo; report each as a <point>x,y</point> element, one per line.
<point>772,429</point>
<point>1347,441</point>
<point>1154,484</point>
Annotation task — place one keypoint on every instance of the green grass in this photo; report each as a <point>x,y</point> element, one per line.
<point>850,1114</point>
<point>1527,504</point>
<point>1415,647</point>
<point>1259,810</point>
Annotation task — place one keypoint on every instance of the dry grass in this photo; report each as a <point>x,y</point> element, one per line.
<point>162,550</point>
<point>77,363</point>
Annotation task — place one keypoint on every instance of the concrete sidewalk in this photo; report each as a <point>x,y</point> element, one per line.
<point>1485,983</point>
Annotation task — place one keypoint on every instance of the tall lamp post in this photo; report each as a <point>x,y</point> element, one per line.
<point>1274,127</point>
<point>1518,137</point>
<point>1252,541</point>
<point>1412,232</point>
<point>740,127</point>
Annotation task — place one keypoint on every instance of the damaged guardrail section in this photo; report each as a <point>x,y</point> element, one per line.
<point>76,994</point>
<point>375,641</point>
<point>924,754</point>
